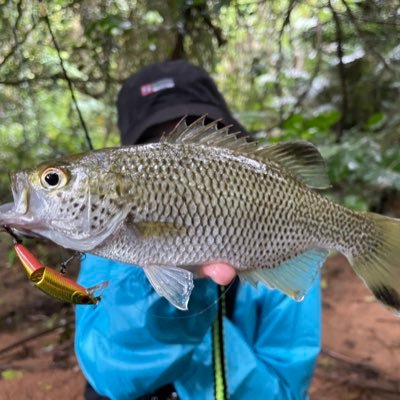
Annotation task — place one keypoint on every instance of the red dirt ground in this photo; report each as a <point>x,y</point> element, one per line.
<point>361,340</point>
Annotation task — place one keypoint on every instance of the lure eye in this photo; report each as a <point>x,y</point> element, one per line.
<point>53,178</point>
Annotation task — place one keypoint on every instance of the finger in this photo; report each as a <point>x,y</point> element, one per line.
<point>220,273</point>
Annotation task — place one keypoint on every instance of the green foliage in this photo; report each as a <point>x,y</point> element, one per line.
<point>362,167</point>
<point>312,128</point>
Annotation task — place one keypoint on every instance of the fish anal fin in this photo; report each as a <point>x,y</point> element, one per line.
<point>173,283</point>
<point>294,277</point>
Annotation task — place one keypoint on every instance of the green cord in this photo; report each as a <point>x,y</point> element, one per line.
<point>220,389</point>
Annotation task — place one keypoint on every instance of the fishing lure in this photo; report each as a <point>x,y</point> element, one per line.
<point>54,283</point>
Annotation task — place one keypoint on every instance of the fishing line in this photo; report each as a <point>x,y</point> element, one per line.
<point>44,14</point>
<point>7,229</point>
<point>204,310</point>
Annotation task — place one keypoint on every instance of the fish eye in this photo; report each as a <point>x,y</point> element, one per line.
<point>53,178</point>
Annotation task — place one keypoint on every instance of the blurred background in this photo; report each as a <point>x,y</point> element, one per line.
<point>327,71</point>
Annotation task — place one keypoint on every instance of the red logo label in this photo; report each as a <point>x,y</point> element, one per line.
<point>147,89</point>
<point>156,86</point>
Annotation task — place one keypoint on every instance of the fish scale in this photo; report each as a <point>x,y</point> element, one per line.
<point>203,196</point>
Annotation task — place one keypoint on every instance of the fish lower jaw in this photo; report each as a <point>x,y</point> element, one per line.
<point>22,221</point>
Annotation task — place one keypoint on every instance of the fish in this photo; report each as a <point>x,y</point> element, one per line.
<point>203,195</point>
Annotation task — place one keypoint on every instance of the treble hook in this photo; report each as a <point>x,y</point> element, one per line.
<point>63,267</point>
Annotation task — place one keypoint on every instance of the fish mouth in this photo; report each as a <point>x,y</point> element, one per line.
<point>17,215</point>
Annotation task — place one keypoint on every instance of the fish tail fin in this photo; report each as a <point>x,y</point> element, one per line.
<point>378,264</point>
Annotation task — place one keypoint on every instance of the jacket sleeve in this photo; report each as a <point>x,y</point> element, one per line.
<point>134,341</point>
<point>271,346</point>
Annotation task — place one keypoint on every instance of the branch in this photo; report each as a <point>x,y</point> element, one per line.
<point>80,84</point>
<point>66,6</point>
<point>16,44</point>
<point>357,373</point>
<point>30,338</point>
<point>54,77</point>
<point>341,71</point>
<point>361,34</point>
<point>378,22</point>
<point>215,29</point>
<point>179,49</point>
<point>187,16</point>
<point>45,16</point>
<point>278,67</point>
<point>314,74</point>
<point>19,16</point>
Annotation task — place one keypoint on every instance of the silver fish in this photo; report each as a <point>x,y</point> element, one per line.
<point>202,195</point>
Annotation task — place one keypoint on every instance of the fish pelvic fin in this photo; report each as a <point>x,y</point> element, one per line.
<point>173,283</point>
<point>302,159</point>
<point>294,277</point>
<point>379,266</point>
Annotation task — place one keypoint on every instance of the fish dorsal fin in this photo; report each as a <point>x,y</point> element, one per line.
<point>175,134</point>
<point>208,135</point>
<point>302,159</point>
<point>294,277</point>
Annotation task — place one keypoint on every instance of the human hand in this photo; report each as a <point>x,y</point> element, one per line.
<point>220,273</point>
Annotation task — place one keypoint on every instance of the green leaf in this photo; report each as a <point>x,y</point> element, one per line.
<point>324,121</point>
<point>375,120</point>
<point>294,122</point>
<point>153,17</point>
<point>9,374</point>
<point>355,202</point>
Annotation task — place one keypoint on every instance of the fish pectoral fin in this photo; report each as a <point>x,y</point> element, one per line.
<point>300,158</point>
<point>146,229</point>
<point>294,277</point>
<point>173,283</point>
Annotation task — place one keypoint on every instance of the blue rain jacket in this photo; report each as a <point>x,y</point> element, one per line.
<point>134,341</point>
